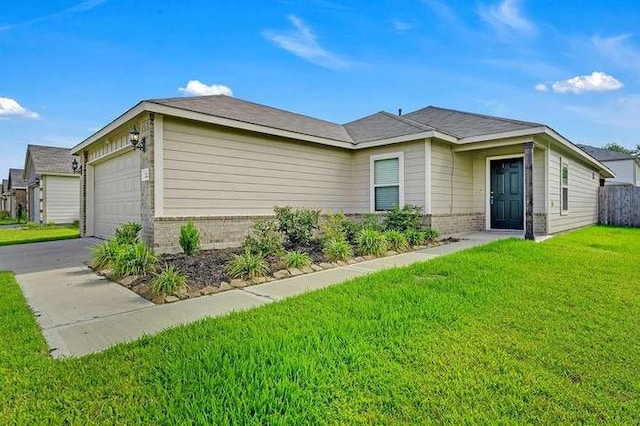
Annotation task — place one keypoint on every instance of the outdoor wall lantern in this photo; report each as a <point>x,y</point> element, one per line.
<point>134,138</point>
<point>37,181</point>
<point>74,166</point>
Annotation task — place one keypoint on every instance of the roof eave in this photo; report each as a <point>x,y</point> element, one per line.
<point>603,169</point>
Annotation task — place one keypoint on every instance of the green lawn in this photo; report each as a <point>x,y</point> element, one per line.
<point>513,332</point>
<point>36,234</point>
<point>8,221</point>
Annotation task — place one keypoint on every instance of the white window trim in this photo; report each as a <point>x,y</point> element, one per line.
<point>563,211</point>
<point>372,189</point>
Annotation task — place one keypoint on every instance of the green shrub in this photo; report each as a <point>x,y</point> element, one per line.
<point>76,223</point>
<point>169,281</point>
<point>265,239</point>
<point>396,240</point>
<point>403,219</point>
<point>371,242</point>
<point>371,221</point>
<point>4,215</point>
<point>338,227</point>
<point>298,225</point>
<point>337,250</point>
<point>133,259</point>
<point>104,254</point>
<point>189,238</point>
<point>429,235</point>
<point>247,265</point>
<point>128,233</point>
<point>296,259</point>
<point>414,237</point>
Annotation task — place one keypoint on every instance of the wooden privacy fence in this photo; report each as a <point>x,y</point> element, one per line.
<point>619,205</point>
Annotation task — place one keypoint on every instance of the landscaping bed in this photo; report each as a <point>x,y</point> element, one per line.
<point>295,242</point>
<point>206,273</point>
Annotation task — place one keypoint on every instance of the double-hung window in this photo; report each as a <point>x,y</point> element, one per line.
<point>387,177</point>
<point>564,186</point>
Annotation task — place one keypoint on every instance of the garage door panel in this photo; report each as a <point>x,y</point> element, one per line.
<point>117,193</point>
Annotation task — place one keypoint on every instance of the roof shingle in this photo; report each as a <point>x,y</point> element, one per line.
<point>602,154</point>
<point>383,125</point>
<point>16,178</point>
<point>50,159</point>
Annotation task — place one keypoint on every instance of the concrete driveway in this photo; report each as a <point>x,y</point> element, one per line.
<point>61,290</point>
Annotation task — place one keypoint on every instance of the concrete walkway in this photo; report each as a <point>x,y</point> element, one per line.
<point>81,313</point>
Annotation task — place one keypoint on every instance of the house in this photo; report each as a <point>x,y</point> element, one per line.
<point>53,189</point>
<point>4,196</point>
<point>17,192</point>
<point>223,162</point>
<point>626,167</point>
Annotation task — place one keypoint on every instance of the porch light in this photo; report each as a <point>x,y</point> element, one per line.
<point>74,166</point>
<point>134,138</point>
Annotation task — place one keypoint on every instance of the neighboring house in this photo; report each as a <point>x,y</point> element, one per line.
<point>4,196</point>
<point>626,167</point>
<point>17,189</point>
<point>53,194</point>
<point>223,162</point>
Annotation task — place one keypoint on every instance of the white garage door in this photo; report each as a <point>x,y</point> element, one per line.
<point>117,193</point>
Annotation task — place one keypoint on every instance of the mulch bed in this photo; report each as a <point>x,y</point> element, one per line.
<point>206,270</point>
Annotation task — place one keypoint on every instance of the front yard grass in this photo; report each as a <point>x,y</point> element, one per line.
<point>25,235</point>
<point>512,332</point>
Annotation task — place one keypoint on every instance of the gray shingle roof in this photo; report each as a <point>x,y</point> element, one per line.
<point>602,154</point>
<point>249,112</point>
<point>383,125</point>
<point>50,159</point>
<point>466,124</point>
<point>15,176</point>
<point>5,185</point>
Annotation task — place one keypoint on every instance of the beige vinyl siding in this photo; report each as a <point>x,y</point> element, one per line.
<point>583,194</point>
<point>413,174</point>
<point>480,189</point>
<point>212,171</point>
<point>61,199</point>
<point>452,180</point>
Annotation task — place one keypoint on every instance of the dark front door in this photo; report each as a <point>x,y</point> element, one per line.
<point>506,197</point>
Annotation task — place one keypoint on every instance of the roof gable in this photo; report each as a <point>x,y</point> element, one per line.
<point>383,125</point>
<point>16,179</point>
<point>465,124</point>
<point>50,159</point>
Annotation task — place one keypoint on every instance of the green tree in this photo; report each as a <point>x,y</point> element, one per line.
<point>613,146</point>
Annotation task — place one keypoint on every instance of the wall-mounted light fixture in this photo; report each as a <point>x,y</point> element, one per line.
<point>134,138</point>
<point>76,169</point>
<point>37,181</point>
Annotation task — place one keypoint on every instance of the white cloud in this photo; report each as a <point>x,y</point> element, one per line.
<point>618,49</point>
<point>10,108</point>
<point>506,17</point>
<point>596,82</point>
<point>617,113</point>
<point>198,88</point>
<point>401,25</point>
<point>302,42</point>
<point>80,7</point>
<point>541,87</point>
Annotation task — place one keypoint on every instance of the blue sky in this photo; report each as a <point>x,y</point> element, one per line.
<point>69,67</point>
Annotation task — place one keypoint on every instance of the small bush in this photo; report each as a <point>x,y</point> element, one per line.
<point>414,238</point>
<point>189,238</point>
<point>338,227</point>
<point>247,265</point>
<point>298,225</point>
<point>296,259</point>
<point>337,250</point>
<point>104,254</point>
<point>128,233</point>
<point>4,215</point>
<point>76,223</point>
<point>265,239</point>
<point>403,219</point>
<point>429,235</point>
<point>371,221</point>
<point>396,241</point>
<point>371,242</point>
<point>169,281</point>
<point>133,259</point>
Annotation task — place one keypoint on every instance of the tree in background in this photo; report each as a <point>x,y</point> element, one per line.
<point>613,146</point>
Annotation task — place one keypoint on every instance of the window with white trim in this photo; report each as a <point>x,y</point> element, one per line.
<point>387,182</point>
<point>564,186</point>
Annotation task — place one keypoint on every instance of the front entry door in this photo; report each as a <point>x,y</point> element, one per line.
<point>507,194</point>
